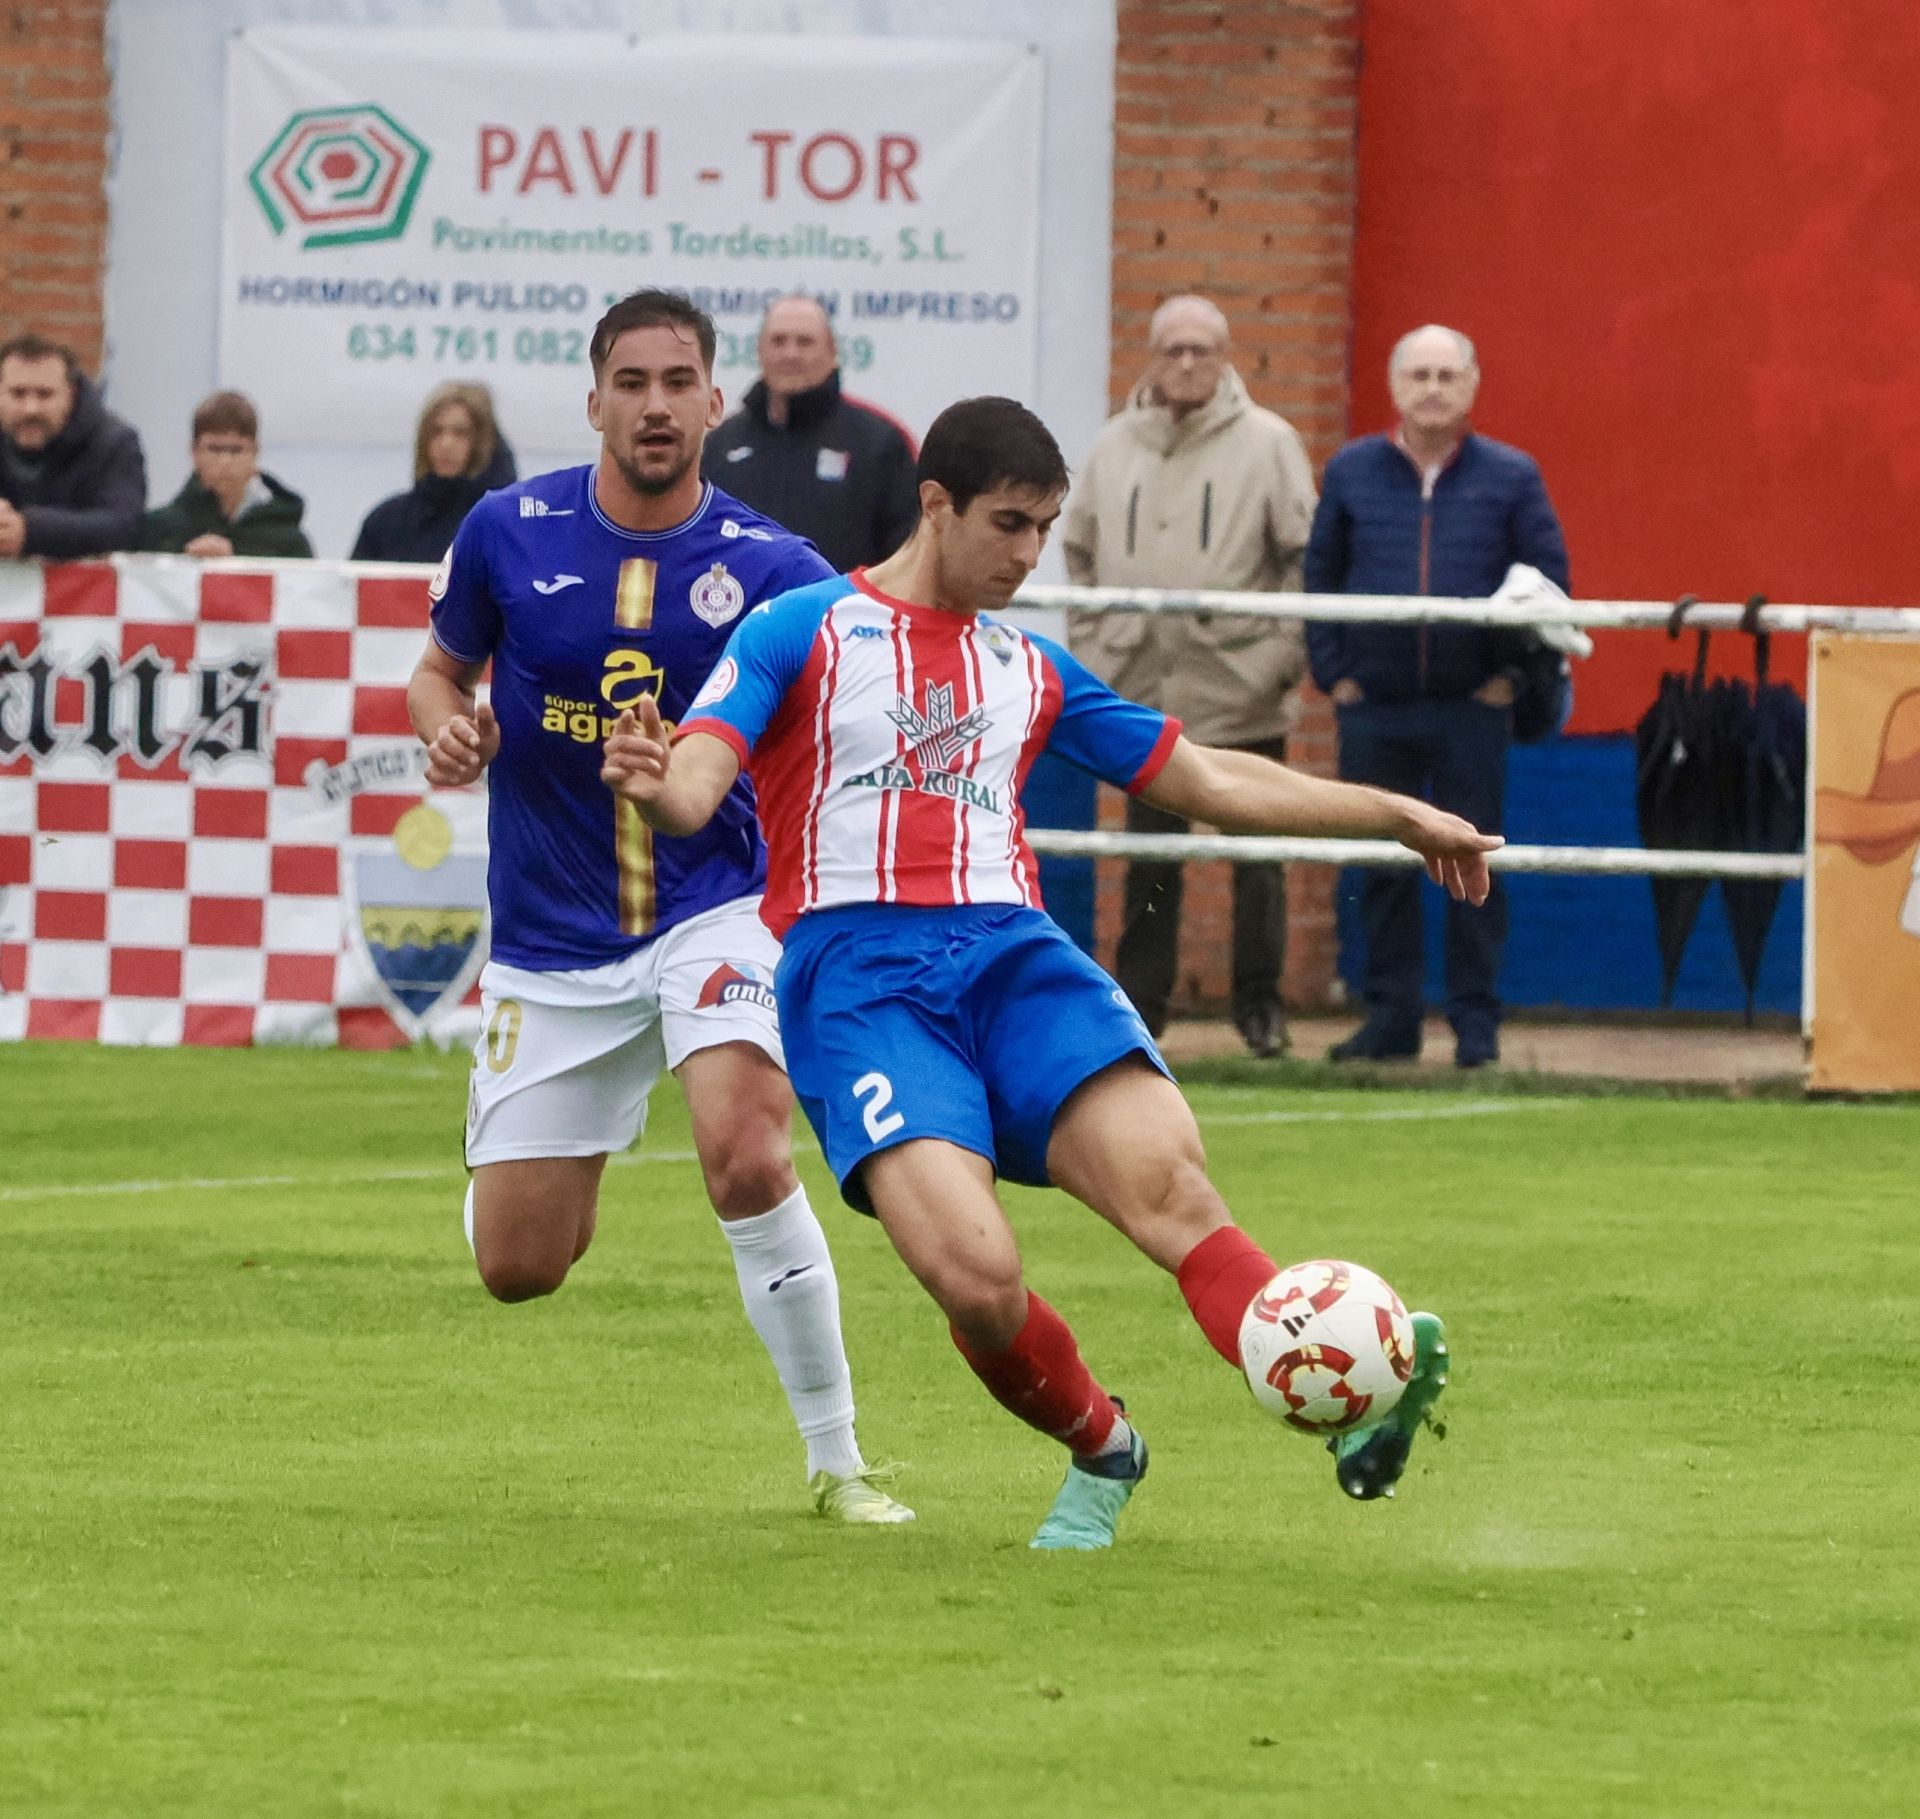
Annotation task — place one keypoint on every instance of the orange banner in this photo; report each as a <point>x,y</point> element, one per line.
<point>1863,906</point>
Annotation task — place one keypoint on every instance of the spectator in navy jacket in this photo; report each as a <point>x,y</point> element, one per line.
<point>1427,710</point>
<point>73,479</point>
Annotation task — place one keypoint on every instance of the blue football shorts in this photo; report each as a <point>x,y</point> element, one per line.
<point>972,1024</point>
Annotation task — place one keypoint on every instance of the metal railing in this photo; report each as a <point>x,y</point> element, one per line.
<point>1643,615</point>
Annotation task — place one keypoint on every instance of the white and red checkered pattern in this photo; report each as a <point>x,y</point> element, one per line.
<point>174,902</point>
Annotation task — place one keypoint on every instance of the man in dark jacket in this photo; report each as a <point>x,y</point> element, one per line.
<point>836,471</point>
<point>73,481</point>
<point>229,507</point>
<point>1427,710</point>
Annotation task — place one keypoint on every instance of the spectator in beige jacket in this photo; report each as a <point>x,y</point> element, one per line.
<point>1194,485</point>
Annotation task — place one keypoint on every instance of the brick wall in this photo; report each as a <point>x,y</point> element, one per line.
<point>53,167</point>
<point>1234,176</point>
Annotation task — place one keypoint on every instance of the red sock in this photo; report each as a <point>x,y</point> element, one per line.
<point>1041,1378</point>
<point>1220,1277</point>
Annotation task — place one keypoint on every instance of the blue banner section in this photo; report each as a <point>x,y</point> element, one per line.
<point>1589,943</point>
<point>1059,795</point>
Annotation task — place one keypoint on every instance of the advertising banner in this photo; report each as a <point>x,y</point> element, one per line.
<point>214,827</point>
<point>407,207</point>
<point>1863,903</point>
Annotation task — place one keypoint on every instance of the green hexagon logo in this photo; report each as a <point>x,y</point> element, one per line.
<point>340,176</point>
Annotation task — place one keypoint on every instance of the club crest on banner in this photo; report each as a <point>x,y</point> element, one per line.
<point>417,916</point>
<point>717,597</point>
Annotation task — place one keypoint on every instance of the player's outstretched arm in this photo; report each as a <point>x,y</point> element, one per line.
<point>675,784</point>
<point>461,738</point>
<point>1244,794</point>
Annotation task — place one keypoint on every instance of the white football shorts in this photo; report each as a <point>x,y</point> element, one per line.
<point>565,1061</point>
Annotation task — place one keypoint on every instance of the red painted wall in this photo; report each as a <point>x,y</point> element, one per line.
<point>1685,236</point>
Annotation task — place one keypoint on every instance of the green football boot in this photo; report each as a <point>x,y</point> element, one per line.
<point>1368,1462</point>
<point>1088,1505</point>
<point>858,1497</point>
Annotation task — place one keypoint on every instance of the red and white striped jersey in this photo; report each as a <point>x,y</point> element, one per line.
<point>888,743</point>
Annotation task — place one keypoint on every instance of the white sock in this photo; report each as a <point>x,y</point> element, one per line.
<point>467,1221</point>
<point>793,1299</point>
<point>1118,1440</point>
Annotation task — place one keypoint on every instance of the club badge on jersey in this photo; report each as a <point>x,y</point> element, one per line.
<point>717,597</point>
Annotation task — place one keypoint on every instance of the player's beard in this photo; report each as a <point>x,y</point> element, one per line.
<point>654,485</point>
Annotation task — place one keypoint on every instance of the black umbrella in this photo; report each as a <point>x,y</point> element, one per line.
<point>1679,781</point>
<point>1773,803</point>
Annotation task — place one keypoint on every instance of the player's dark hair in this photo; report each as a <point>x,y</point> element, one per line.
<point>651,309</point>
<point>981,443</point>
<point>226,414</point>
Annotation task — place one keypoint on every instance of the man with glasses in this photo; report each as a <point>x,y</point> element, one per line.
<point>1193,485</point>
<point>228,507</point>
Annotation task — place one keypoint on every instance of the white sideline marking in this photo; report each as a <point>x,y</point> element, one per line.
<point>94,1190</point>
<point>215,1183</point>
<point>1402,1114</point>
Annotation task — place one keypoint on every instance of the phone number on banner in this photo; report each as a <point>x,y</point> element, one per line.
<point>541,346</point>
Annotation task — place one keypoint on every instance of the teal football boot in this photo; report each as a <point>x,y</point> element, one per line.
<point>1087,1507</point>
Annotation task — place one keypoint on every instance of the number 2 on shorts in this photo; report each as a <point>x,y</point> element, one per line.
<point>876,1090</point>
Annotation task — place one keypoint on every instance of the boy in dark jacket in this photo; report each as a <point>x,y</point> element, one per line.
<point>73,481</point>
<point>1427,710</point>
<point>229,507</point>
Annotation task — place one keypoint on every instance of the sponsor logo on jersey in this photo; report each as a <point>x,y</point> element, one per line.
<point>443,574</point>
<point>539,508</point>
<point>949,784</point>
<point>937,736</point>
<point>938,741</point>
<point>558,583</point>
<point>625,676</point>
<point>866,631</point>
<point>716,687</point>
<point>730,985</point>
<point>1000,641</point>
<point>731,527</point>
<point>716,597</point>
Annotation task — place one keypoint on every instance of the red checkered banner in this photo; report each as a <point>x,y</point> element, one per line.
<point>214,827</point>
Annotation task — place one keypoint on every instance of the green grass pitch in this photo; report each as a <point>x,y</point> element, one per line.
<point>295,1521</point>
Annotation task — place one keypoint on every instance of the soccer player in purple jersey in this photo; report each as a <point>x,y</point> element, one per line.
<point>941,1029</point>
<point>616,954</point>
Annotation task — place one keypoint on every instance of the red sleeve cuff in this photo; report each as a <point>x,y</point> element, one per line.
<point>1156,760</point>
<point>716,729</point>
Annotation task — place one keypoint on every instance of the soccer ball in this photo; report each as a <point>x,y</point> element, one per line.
<point>1326,1347</point>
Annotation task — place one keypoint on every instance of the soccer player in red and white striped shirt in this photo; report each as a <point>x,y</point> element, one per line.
<point>941,1030</point>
